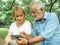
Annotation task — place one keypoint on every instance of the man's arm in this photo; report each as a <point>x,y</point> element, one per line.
<point>24,41</point>
<point>36,39</point>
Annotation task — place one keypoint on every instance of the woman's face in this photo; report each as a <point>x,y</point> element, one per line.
<point>19,17</point>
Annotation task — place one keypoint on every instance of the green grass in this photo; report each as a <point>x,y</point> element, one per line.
<point>3,33</point>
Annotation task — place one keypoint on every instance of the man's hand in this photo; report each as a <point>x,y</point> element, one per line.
<point>22,41</point>
<point>26,35</point>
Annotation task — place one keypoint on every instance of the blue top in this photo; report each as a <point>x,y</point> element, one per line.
<point>49,29</point>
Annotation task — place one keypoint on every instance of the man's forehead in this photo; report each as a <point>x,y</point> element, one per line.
<point>33,9</point>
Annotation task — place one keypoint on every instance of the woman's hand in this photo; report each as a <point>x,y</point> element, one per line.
<point>8,40</point>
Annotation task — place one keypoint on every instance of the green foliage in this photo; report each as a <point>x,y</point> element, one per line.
<point>8,19</point>
<point>30,18</point>
<point>6,9</point>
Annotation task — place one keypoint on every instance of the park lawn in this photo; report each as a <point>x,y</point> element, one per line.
<point>3,33</point>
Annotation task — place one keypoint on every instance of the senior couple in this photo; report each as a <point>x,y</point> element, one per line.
<point>46,29</point>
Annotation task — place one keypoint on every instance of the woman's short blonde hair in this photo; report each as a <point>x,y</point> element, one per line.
<point>18,8</point>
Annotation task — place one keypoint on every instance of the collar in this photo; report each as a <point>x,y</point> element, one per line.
<point>45,16</point>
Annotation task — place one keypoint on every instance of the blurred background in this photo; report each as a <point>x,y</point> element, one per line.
<point>6,12</point>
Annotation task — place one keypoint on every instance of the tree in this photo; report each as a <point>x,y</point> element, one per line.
<point>6,9</point>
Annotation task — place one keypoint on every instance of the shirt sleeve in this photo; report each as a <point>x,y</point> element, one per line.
<point>28,29</point>
<point>51,26</point>
<point>34,32</point>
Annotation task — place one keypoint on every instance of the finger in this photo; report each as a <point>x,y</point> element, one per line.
<point>21,32</point>
<point>14,41</point>
<point>19,39</point>
<point>25,34</point>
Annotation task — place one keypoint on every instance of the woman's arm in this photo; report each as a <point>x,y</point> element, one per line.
<point>8,38</point>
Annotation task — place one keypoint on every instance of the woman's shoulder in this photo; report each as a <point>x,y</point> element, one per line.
<point>13,24</point>
<point>27,22</point>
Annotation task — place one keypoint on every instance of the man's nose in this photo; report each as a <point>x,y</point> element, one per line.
<point>33,14</point>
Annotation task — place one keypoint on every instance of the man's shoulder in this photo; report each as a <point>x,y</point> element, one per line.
<point>52,17</point>
<point>53,14</point>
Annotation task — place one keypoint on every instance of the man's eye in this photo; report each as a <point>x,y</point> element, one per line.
<point>33,12</point>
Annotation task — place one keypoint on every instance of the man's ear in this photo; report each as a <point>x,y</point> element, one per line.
<point>41,9</point>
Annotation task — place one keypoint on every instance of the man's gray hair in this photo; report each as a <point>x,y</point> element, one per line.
<point>38,3</point>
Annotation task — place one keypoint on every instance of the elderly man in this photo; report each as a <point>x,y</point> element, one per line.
<point>46,27</point>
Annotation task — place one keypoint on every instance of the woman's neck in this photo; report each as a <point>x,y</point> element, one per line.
<point>19,24</point>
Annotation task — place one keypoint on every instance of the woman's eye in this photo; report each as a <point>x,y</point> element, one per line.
<point>20,15</point>
<point>17,16</point>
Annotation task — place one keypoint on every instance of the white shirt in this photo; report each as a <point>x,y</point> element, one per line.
<point>25,27</point>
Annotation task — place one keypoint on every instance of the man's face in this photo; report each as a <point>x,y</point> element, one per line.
<point>37,14</point>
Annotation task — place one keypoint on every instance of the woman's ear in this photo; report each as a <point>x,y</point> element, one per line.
<point>25,16</point>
